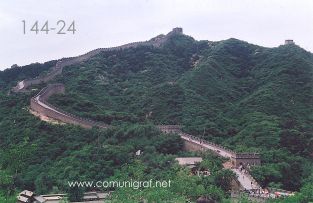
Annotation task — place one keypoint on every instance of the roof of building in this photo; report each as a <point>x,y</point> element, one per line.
<point>52,198</point>
<point>95,195</point>
<point>22,199</point>
<point>27,193</point>
<point>90,196</point>
<point>55,198</point>
<point>40,199</point>
<point>103,195</point>
<point>53,195</point>
<point>188,160</point>
<point>90,193</point>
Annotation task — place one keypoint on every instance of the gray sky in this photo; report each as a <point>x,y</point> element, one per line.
<point>104,23</point>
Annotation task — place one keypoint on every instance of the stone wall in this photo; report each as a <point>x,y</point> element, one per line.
<point>237,159</point>
<point>39,104</point>
<point>216,146</point>
<point>58,68</point>
<point>193,147</point>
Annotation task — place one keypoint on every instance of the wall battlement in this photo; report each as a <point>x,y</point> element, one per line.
<point>247,155</point>
<point>170,128</point>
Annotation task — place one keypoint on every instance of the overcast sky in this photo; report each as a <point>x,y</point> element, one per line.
<point>104,23</point>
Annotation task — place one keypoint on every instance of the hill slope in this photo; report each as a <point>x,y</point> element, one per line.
<point>229,79</point>
<point>243,96</point>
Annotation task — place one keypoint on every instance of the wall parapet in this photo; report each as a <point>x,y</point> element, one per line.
<point>247,155</point>
<point>177,129</point>
<point>234,155</point>
<point>39,103</point>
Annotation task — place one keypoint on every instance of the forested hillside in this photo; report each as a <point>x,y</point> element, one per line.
<point>243,96</point>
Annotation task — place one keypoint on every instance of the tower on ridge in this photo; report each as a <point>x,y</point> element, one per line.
<point>177,30</point>
<point>289,41</point>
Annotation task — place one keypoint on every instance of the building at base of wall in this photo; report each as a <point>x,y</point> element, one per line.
<point>88,197</point>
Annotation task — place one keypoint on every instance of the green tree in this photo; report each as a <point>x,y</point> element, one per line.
<point>75,194</point>
<point>224,178</point>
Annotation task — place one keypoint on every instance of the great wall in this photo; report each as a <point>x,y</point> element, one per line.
<point>40,105</point>
<point>193,143</point>
<point>58,68</point>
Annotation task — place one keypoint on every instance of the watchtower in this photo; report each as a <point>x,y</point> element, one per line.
<point>289,41</point>
<point>170,128</point>
<point>253,159</point>
<point>177,30</point>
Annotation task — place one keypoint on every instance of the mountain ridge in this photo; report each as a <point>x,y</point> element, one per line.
<point>240,95</point>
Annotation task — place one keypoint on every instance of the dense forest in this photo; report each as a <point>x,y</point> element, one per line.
<point>242,96</point>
